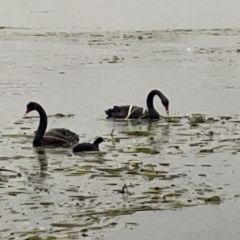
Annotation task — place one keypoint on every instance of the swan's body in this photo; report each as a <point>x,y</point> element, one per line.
<point>56,137</point>
<point>86,147</point>
<point>135,112</point>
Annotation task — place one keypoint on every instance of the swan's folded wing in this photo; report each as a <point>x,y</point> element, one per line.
<point>62,134</point>
<point>126,112</point>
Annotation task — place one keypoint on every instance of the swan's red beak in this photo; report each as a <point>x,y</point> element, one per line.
<point>27,111</point>
<point>167,110</point>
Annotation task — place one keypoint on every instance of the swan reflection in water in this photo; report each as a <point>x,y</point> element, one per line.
<point>161,132</point>
<point>38,175</point>
<point>42,159</point>
<point>136,125</point>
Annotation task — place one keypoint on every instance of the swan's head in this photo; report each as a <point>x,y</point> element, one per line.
<point>30,107</point>
<point>165,103</point>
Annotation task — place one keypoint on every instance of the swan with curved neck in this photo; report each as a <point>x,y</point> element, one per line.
<point>57,137</point>
<point>135,112</point>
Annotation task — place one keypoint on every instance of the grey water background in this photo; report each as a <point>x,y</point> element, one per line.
<point>120,15</point>
<point>54,52</point>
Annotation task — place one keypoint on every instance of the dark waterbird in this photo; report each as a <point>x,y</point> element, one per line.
<point>135,112</point>
<point>56,137</point>
<point>86,147</point>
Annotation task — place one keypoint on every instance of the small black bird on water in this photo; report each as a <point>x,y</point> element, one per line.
<point>86,147</point>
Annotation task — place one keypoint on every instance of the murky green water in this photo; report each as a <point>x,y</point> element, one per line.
<point>82,70</point>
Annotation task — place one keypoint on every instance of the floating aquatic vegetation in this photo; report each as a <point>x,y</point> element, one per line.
<point>202,175</point>
<point>15,193</point>
<point>154,190</point>
<point>34,238</point>
<point>17,136</point>
<point>152,174</point>
<point>115,59</point>
<point>78,171</point>
<point>71,225</point>
<point>112,170</point>
<point>164,164</point>
<point>19,122</point>
<point>142,150</point>
<point>91,153</point>
<point>172,119</point>
<point>212,120</point>
<point>46,203</point>
<point>25,128</point>
<point>10,173</point>
<point>211,150</point>
<point>81,197</point>
<point>57,115</point>
<point>139,133</point>
<point>213,199</point>
<point>61,115</point>
<point>146,150</point>
<point>134,162</point>
<point>197,144</point>
<point>225,117</point>
<point>4,158</point>
<point>197,118</point>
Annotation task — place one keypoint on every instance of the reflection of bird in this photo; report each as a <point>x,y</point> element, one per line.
<point>85,147</point>
<point>41,154</point>
<point>211,133</point>
<point>56,137</point>
<point>135,112</point>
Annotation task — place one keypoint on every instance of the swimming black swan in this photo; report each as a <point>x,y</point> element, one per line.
<point>86,147</point>
<point>56,137</point>
<point>135,112</point>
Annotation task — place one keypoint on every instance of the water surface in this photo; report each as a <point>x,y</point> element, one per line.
<point>83,57</point>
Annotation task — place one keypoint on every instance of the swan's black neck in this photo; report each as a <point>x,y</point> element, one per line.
<point>150,106</point>
<point>41,127</point>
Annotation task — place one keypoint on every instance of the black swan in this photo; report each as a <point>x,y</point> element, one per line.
<point>56,137</point>
<point>135,112</point>
<point>86,147</point>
